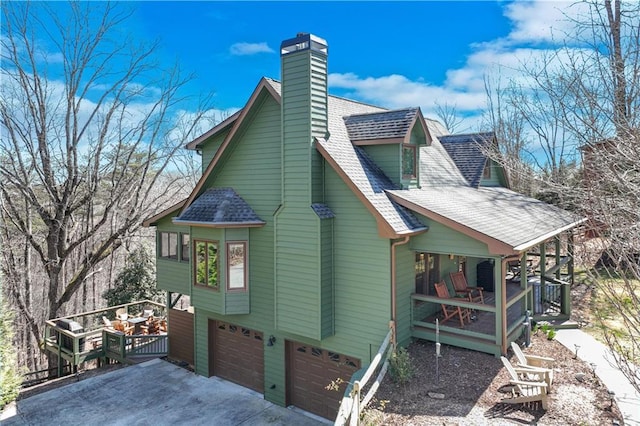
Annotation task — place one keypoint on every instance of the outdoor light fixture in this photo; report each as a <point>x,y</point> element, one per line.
<point>271,341</point>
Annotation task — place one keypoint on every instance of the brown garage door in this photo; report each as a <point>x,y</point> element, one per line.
<point>309,371</point>
<point>238,354</point>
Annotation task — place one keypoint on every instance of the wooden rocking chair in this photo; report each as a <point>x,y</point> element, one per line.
<point>524,392</point>
<point>474,294</point>
<point>449,311</point>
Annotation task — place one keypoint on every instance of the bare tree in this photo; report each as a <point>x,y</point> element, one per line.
<point>88,134</point>
<point>448,115</point>
<point>584,99</point>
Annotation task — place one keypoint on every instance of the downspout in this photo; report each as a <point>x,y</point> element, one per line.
<point>394,288</point>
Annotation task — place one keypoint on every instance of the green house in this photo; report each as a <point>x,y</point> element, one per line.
<point>319,223</point>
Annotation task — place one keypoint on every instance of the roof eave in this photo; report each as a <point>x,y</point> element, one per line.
<point>544,237</point>
<point>151,221</point>
<point>219,224</point>
<point>195,144</point>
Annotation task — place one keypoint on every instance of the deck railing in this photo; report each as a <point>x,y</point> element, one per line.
<point>352,405</point>
<point>91,340</point>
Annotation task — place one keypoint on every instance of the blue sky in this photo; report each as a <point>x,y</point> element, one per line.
<point>394,54</point>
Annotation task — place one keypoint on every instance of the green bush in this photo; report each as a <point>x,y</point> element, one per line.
<point>400,366</point>
<point>135,282</point>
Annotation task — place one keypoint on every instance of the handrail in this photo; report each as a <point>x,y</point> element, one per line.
<point>453,301</point>
<point>351,405</point>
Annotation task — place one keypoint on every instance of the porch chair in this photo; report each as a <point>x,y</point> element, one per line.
<point>449,311</point>
<point>535,363</point>
<point>524,392</point>
<point>107,323</point>
<point>474,294</point>
<point>122,314</point>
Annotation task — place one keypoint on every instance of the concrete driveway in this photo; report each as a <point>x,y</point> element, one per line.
<point>152,393</point>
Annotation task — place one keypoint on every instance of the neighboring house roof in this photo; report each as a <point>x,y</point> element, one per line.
<point>507,221</point>
<point>383,127</point>
<point>469,153</point>
<point>219,207</point>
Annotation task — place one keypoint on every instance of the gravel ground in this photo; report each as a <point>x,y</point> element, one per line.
<point>474,383</point>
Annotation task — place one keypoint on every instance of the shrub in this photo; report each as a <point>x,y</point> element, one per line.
<point>400,366</point>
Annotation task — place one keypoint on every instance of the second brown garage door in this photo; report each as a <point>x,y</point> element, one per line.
<point>238,354</point>
<point>309,371</point>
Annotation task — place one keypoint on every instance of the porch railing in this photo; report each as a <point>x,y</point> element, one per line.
<point>490,332</point>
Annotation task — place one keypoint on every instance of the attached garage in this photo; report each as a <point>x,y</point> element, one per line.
<point>309,371</point>
<point>236,354</point>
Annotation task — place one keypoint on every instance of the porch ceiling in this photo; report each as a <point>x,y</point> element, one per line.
<point>506,221</point>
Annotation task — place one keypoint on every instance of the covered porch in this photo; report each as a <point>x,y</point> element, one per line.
<point>533,286</point>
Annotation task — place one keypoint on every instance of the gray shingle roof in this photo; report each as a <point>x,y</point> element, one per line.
<point>468,153</point>
<point>221,206</point>
<point>380,125</point>
<point>499,213</point>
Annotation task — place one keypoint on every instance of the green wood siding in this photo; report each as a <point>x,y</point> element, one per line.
<point>405,285</point>
<point>362,275</point>
<point>388,158</point>
<point>172,275</point>
<point>442,239</point>
<point>201,348</point>
<point>326,282</point>
<point>210,147</point>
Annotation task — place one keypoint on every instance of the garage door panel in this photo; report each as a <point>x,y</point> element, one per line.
<point>238,355</point>
<point>310,370</point>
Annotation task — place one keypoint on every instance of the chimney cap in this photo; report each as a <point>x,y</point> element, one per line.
<point>303,41</point>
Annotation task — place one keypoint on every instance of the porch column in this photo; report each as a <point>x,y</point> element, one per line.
<point>566,289</point>
<point>524,281</point>
<point>543,271</point>
<point>500,292</point>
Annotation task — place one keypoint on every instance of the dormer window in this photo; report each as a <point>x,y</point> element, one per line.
<point>409,161</point>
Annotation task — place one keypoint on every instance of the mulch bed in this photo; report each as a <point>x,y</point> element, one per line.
<point>474,383</point>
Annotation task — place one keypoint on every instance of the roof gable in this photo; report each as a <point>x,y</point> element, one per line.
<point>384,126</point>
<point>468,152</point>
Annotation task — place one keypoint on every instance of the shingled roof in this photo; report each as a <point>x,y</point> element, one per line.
<point>380,125</point>
<point>506,220</point>
<point>219,207</point>
<point>468,152</point>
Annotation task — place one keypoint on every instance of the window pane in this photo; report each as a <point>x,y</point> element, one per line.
<point>185,246</point>
<point>236,262</point>
<point>212,259</point>
<point>164,244</point>
<point>173,245</point>
<point>408,161</point>
<point>201,262</point>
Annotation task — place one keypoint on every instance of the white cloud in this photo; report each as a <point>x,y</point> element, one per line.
<point>537,26</point>
<point>244,49</point>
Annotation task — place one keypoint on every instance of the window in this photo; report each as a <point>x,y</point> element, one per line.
<point>185,247</point>
<point>206,263</point>
<point>486,173</point>
<point>408,161</point>
<point>237,266</point>
<point>427,269</point>
<point>169,245</point>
